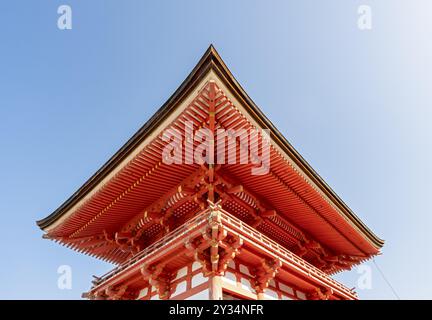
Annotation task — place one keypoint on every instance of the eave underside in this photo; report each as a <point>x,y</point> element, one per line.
<point>147,184</point>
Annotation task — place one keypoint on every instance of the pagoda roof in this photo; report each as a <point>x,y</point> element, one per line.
<point>113,195</point>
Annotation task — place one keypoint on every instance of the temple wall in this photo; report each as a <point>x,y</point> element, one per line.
<point>238,281</point>
<point>189,283</point>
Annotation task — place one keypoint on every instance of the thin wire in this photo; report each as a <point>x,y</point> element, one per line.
<point>385,279</point>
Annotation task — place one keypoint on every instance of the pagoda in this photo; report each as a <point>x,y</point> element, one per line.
<point>209,201</point>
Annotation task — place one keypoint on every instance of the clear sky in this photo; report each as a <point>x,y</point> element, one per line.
<point>355,103</point>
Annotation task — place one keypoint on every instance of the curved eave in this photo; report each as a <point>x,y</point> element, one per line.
<point>211,61</point>
<point>176,98</point>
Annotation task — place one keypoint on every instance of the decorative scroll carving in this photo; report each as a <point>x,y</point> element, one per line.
<point>265,273</point>
<point>320,294</point>
<point>115,293</point>
<point>214,250</point>
<point>230,251</point>
<point>197,250</point>
<point>120,292</point>
<point>159,278</point>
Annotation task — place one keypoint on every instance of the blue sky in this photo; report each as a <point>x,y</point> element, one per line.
<point>356,104</point>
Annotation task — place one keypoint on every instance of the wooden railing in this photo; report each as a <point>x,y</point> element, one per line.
<point>280,251</point>
<point>151,249</point>
<point>237,226</point>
